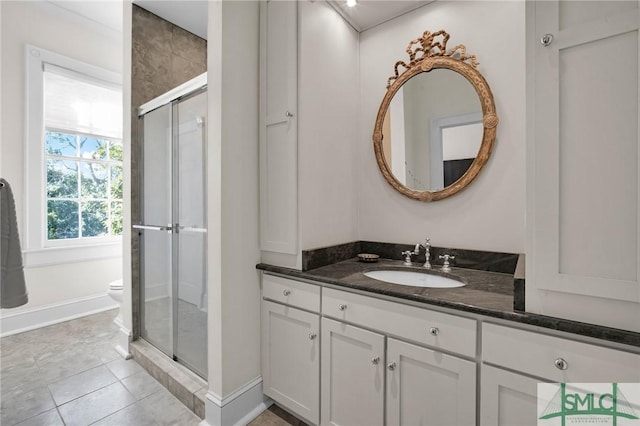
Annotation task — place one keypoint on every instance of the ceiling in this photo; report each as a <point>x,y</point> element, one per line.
<point>192,14</point>
<point>107,14</point>
<point>369,13</point>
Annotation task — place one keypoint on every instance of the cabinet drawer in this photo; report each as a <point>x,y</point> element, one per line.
<point>538,354</point>
<point>438,330</point>
<point>294,293</point>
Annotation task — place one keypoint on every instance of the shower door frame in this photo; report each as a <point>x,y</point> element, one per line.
<point>190,89</point>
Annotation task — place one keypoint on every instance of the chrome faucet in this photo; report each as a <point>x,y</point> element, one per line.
<point>427,254</point>
<point>407,255</point>
<point>445,266</point>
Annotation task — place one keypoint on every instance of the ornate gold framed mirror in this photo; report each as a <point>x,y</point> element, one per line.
<point>436,125</point>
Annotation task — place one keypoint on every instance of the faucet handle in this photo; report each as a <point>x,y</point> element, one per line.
<point>407,257</point>
<point>445,264</point>
<point>427,243</point>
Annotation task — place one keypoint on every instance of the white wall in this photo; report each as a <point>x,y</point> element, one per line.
<point>55,29</point>
<point>327,127</point>
<point>233,244</point>
<point>490,213</point>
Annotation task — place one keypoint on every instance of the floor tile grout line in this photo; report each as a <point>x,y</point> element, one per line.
<point>60,415</point>
<point>117,411</point>
<point>124,408</point>
<point>83,395</point>
<point>42,412</point>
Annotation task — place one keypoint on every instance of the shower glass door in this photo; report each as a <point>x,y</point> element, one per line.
<point>173,230</point>
<point>190,237</point>
<point>156,238</point>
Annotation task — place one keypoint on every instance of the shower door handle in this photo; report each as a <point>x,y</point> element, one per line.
<point>193,228</point>
<point>153,227</point>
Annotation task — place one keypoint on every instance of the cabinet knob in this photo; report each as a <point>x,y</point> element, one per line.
<point>342,306</point>
<point>312,335</point>
<point>391,366</point>
<point>375,360</point>
<point>288,114</point>
<point>561,364</point>
<point>434,331</point>
<point>546,40</point>
<point>286,292</point>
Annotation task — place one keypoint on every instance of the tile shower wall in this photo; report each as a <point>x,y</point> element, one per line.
<point>163,56</point>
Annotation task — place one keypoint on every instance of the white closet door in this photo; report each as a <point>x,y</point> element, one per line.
<point>278,126</point>
<point>583,162</point>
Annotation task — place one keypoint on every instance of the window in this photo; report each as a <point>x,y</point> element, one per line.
<point>84,186</point>
<point>74,160</point>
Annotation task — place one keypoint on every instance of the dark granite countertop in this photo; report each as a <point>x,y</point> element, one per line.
<point>484,293</point>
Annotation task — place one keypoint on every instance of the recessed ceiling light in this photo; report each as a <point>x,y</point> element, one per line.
<point>351,3</point>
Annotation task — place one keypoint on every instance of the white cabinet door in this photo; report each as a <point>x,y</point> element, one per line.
<point>583,161</point>
<point>507,399</point>
<point>426,387</point>
<point>291,359</point>
<point>352,375</point>
<point>278,126</point>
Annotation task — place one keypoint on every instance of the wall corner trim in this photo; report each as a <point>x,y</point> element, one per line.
<point>238,408</point>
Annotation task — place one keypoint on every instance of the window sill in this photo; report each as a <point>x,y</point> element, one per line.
<point>80,253</point>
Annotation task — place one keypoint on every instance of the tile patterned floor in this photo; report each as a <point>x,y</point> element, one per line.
<point>69,374</point>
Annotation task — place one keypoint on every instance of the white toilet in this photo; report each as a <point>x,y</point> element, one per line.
<point>115,292</point>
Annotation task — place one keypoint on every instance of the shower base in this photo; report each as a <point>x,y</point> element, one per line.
<point>189,388</point>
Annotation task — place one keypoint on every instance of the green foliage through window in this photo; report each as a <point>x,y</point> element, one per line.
<point>84,186</point>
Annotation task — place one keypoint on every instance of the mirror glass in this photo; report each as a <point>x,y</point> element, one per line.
<point>432,130</point>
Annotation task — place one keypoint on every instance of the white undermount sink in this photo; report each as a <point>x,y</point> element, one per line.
<point>414,278</point>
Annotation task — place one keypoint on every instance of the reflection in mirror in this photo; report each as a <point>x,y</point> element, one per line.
<point>432,130</point>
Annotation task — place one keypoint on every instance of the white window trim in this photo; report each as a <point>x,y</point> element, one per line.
<point>35,252</point>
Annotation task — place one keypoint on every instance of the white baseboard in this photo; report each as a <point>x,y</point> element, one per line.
<point>237,409</point>
<point>52,314</point>
<point>124,339</point>
<point>156,291</point>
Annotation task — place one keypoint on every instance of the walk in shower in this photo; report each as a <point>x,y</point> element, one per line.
<point>173,229</point>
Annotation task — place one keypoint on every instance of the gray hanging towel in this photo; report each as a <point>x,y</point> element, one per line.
<point>13,290</point>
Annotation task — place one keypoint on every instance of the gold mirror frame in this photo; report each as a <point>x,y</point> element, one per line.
<point>426,54</point>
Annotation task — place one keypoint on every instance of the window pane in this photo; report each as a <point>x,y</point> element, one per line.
<point>62,219</point>
<point>62,179</point>
<point>95,218</point>
<point>115,152</point>
<point>60,144</point>
<point>116,218</point>
<point>93,180</point>
<point>93,148</point>
<point>116,182</point>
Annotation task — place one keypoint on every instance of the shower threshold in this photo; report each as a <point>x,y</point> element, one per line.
<point>185,385</point>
